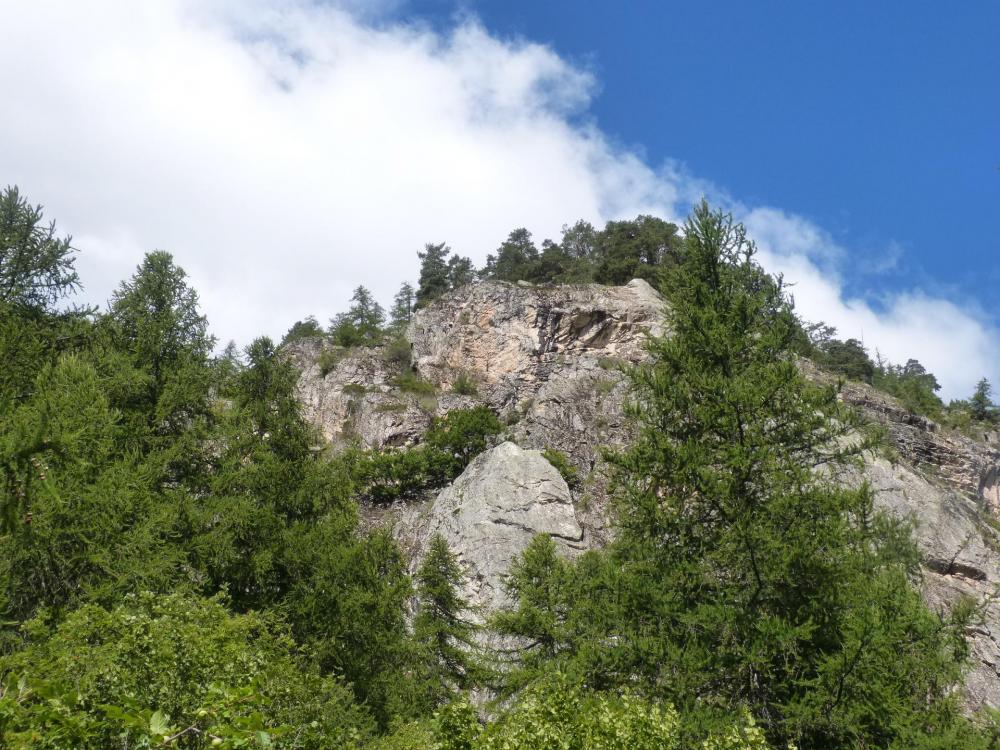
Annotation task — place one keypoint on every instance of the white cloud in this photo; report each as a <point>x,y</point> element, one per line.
<point>287,151</point>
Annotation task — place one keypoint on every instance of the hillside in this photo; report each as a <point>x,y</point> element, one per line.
<point>546,359</point>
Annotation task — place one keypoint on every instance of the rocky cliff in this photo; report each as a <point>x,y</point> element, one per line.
<point>547,360</point>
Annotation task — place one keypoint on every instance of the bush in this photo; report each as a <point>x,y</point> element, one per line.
<point>398,352</point>
<point>156,665</point>
<point>410,382</point>
<point>561,463</point>
<point>464,385</point>
<point>449,444</point>
<point>463,434</point>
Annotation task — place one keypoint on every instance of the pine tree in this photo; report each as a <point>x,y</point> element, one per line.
<point>749,577</point>
<point>402,307</point>
<point>36,266</point>
<point>156,323</point>
<point>434,275</point>
<point>460,271</point>
<point>515,259</point>
<point>981,405</point>
<point>439,627</point>
<point>739,575</point>
<point>361,325</point>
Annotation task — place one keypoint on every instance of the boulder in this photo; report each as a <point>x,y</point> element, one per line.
<point>490,514</point>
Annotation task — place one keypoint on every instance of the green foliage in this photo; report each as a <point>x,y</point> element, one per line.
<point>329,357</point>
<point>159,666</point>
<point>981,406</point>
<point>36,266</point>
<point>562,464</point>
<point>460,271</point>
<point>87,518</point>
<point>361,325</point>
<point>465,385</point>
<point>913,386</point>
<point>398,352</point>
<point>154,320</point>
<point>303,329</point>
<point>846,358</point>
<point>449,444</point>
<point>739,576</point>
<point>445,638</point>
<point>515,260</point>
<point>402,307</point>
<point>624,250</point>
<point>435,277</point>
<point>409,381</point>
<point>558,714</point>
<point>640,248</point>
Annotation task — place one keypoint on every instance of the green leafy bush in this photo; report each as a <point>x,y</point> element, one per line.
<point>164,665</point>
<point>449,444</point>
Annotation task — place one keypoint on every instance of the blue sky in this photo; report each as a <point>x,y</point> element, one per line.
<point>286,151</point>
<point>879,121</point>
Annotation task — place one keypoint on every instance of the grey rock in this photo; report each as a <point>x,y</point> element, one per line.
<point>490,514</point>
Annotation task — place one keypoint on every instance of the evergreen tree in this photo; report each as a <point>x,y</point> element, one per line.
<point>36,270</point>
<point>460,271</point>
<point>36,266</point>
<point>515,259</point>
<point>402,307</point>
<point>739,576</point>
<point>361,325</point>
<point>981,405</point>
<point>636,249</point>
<point>435,278</point>
<point>749,577</point>
<point>439,626</point>
<point>154,320</point>
<point>303,329</point>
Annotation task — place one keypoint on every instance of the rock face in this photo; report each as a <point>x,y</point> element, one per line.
<point>946,484</point>
<point>492,511</point>
<point>547,359</point>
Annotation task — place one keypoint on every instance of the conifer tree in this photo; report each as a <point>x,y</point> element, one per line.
<point>739,575</point>
<point>748,576</point>
<point>981,405</point>
<point>439,626</point>
<point>402,307</point>
<point>460,271</point>
<point>36,266</point>
<point>435,278</point>
<point>361,325</point>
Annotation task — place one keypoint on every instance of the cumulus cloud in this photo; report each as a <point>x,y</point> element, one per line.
<point>286,151</point>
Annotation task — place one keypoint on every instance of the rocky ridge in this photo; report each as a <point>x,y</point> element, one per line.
<point>546,359</point>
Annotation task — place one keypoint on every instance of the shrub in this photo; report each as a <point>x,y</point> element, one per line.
<point>410,382</point>
<point>449,444</point>
<point>398,352</point>
<point>561,463</point>
<point>354,389</point>
<point>464,385</point>
<point>155,665</point>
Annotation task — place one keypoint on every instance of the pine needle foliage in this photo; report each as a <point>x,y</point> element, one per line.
<point>441,626</point>
<point>749,577</point>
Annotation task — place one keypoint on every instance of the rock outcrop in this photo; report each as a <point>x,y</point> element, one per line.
<point>547,359</point>
<point>492,511</point>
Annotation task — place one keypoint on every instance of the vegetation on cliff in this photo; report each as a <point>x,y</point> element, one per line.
<point>181,567</point>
